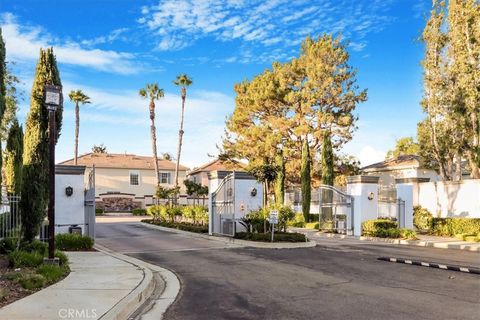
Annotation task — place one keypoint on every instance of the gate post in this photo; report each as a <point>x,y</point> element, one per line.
<point>405,192</point>
<point>364,190</point>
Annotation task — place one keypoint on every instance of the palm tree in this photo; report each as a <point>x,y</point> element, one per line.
<point>78,97</point>
<point>183,81</point>
<point>153,92</point>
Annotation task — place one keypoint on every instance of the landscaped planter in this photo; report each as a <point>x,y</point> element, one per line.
<point>179,225</point>
<point>267,237</point>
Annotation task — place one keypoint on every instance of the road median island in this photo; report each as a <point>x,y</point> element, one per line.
<point>234,241</point>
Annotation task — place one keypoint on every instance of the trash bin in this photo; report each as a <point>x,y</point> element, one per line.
<point>75,229</point>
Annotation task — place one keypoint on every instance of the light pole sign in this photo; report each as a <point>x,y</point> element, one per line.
<point>273,219</point>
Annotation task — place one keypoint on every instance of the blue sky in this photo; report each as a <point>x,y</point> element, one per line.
<point>111,48</point>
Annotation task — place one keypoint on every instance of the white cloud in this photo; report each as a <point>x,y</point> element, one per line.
<point>179,23</point>
<point>369,155</point>
<point>24,42</point>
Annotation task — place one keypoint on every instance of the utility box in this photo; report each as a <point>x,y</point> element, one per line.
<point>75,229</point>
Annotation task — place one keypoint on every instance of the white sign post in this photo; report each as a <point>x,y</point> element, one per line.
<point>273,219</point>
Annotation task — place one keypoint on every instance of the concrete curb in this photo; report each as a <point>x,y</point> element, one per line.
<point>237,242</point>
<point>418,243</point>
<point>431,265</point>
<point>135,299</point>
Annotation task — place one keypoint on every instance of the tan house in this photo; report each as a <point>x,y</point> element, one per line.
<point>200,174</point>
<point>404,166</point>
<point>127,181</point>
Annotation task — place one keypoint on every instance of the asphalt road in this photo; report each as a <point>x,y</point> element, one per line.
<point>335,280</point>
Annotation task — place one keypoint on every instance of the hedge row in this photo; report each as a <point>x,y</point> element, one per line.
<point>179,225</point>
<point>384,228</point>
<point>455,226</point>
<point>267,237</point>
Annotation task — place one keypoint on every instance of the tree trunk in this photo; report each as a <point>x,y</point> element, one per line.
<point>77,129</point>
<point>154,140</point>
<point>180,137</point>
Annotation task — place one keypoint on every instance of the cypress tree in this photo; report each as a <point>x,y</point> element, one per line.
<point>327,160</point>
<point>327,178</point>
<point>35,189</point>
<point>13,158</point>
<point>280,179</point>
<point>3,92</point>
<point>306,180</point>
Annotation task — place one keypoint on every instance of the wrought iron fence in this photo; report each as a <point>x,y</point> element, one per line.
<point>10,220</point>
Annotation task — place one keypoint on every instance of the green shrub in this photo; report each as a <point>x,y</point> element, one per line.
<point>298,221</point>
<point>185,226</point>
<point>52,273</point>
<point>158,213</point>
<point>34,246</point>
<point>371,227</point>
<point>453,226</point>
<point>62,257</point>
<point>31,281</point>
<point>407,233</point>
<point>422,218</point>
<point>99,212</point>
<point>73,242</point>
<point>174,212</point>
<point>311,225</point>
<point>8,245</point>
<point>285,214</point>
<point>23,259</point>
<point>139,212</point>
<point>267,237</point>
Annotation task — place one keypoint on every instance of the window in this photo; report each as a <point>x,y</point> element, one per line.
<point>165,178</point>
<point>134,178</point>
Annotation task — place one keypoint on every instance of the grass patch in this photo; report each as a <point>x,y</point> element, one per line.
<point>52,273</point>
<point>267,237</point>
<point>179,226</point>
<point>73,242</point>
<point>24,259</point>
<point>32,281</point>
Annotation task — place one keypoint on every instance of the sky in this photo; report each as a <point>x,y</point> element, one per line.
<point>112,48</point>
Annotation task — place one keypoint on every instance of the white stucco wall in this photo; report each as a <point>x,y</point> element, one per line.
<point>450,199</point>
<point>118,180</point>
<point>69,210</point>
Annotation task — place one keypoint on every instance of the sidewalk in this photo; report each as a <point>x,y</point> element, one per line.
<point>98,286</point>
<point>423,240</point>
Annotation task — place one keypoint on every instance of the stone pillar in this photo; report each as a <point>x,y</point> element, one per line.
<point>364,190</point>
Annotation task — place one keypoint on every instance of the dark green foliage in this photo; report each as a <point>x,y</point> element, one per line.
<point>73,242</point>
<point>256,220</point>
<point>306,180</point>
<point>422,218</point>
<point>371,227</point>
<point>24,259</point>
<point>34,246</point>
<point>3,90</point>
<point>179,226</point>
<point>52,273</point>
<point>98,211</point>
<point>285,214</point>
<point>35,191</point>
<point>267,237</point>
<point>327,160</point>
<point>8,245</point>
<point>62,257</point>
<point>139,212</point>
<point>14,158</point>
<point>31,281</point>
<point>280,179</point>
<point>454,226</point>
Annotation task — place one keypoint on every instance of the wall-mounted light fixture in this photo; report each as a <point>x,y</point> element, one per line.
<point>370,196</point>
<point>69,191</point>
<point>253,192</point>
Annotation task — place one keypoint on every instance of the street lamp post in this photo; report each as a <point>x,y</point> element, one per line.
<point>53,100</point>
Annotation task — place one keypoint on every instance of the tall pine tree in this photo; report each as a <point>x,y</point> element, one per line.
<point>13,158</point>
<point>306,180</point>
<point>35,189</point>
